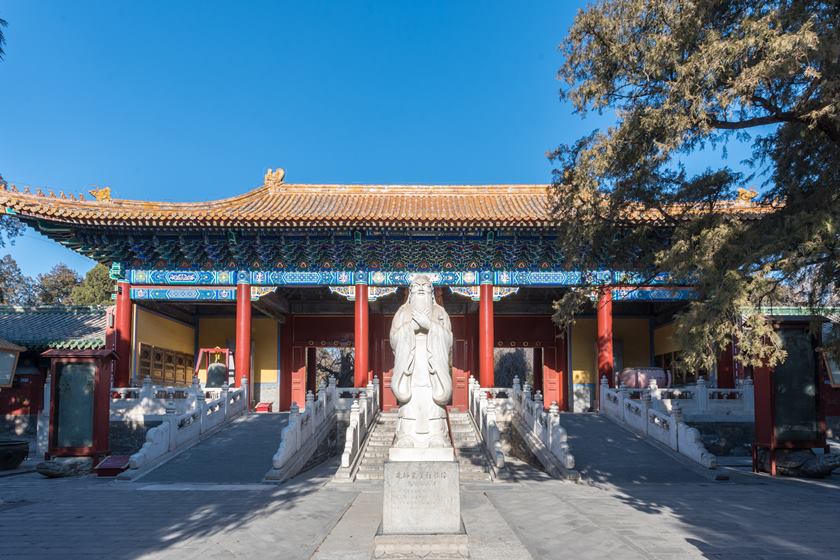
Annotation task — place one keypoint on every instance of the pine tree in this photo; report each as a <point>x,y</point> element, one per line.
<point>680,76</point>
<point>56,286</point>
<point>95,289</point>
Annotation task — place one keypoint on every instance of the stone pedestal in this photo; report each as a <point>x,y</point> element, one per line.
<point>421,514</point>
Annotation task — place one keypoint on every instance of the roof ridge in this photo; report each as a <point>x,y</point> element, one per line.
<point>51,307</point>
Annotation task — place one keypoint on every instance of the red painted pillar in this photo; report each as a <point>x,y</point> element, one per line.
<point>286,333</point>
<point>485,336</point>
<point>122,335</point>
<point>311,369</point>
<point>361,338</point>
<point>726,368</point>
<point>605,338</point>
<point>242,359</point>
<point>375,348</point>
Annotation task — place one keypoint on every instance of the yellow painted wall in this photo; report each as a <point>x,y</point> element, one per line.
<point>264,335</point>
<point>583,351</point>
<point>662,341</point>
<point>163,332</point>
<point>634,335</point>
<point>216,331</point>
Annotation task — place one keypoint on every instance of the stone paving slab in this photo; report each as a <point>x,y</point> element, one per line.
<point>490,537</point>
<point>94,518</point>
<point>239,453</point>
<point>605,453</point>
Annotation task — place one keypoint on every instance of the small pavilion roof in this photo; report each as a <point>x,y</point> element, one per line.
<point>276,204</point>
<point>54,326</point>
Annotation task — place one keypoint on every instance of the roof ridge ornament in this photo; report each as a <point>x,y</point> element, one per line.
<point>746,195</point>
<point>101,195</point>
<point>275,177</point>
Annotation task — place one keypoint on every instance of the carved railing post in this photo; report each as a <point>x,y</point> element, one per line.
<point>748,396</point>
<point>702,395</point>
<point>224,394</point>
<point>655,394</point>
<point>376,393</point>
<point>147,391</point>
<point>644,401</point>
<point>602,394</point>
<point>482,411</point>
<point>623,395</point>
<point>197,394</point>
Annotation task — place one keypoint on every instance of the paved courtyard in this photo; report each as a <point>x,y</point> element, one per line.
<point>746,517</point>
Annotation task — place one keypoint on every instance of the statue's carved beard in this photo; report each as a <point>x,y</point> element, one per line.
<point>422,304</point>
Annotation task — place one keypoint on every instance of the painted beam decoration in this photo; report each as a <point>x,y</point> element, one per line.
<point>654,294</point>
<point>474,293</point>
<point>374,292</point>
<point>194,293</point>
<point>559,278</point>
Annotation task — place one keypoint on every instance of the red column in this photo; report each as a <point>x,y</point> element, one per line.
<point>605,339</point>
<point>360,333</point>
<point>286,333</point>
<point>485,336</point>
<point>726,368</point>
<point>122,335</point>
<point>242,359</point>
<point>311,369</point>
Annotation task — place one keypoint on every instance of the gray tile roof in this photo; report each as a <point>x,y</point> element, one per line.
<point>54,326</point>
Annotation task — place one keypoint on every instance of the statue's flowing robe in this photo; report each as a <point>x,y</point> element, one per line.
<point>411,376</point>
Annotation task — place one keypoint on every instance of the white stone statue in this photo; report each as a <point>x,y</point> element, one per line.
<point>421,338</point>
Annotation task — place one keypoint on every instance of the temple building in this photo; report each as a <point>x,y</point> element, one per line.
<point>285,270</point>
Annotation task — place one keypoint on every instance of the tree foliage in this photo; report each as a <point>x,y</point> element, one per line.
<point>55,286</point>
<point>15,287</point>
<point>10,227</point>
<point>95,289</point>
<point>3,23</point>
<point>682,76</point>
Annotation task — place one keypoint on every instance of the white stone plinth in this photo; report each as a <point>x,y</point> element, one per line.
<point>421,547</point>
<point>421,454</point>
<point>421,497</point>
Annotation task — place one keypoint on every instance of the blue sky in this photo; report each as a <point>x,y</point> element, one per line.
<point>190,101</point>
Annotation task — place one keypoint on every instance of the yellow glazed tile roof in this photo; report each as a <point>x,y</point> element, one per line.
<point>277,204</point>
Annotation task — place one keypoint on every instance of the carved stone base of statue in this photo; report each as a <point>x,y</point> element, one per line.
<point>421,513</point>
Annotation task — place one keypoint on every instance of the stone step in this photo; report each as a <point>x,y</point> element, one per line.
<point>477,451</point>
<point>474,477</point>
<point>369,476</point>
<point>363,468</point>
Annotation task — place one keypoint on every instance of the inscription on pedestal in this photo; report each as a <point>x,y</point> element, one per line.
<point>421,497</point>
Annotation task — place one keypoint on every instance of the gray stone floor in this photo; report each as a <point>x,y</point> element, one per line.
<point>613,514</point>
<point>239,453</point>
<point>603,452</point>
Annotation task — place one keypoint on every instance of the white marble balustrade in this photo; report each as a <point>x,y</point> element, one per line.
<point>307,429</point>
<point>363,412</point>
<point>152,400</point>
<point>486,406</point>
<point>179,429</point>
<point>701,402</point>
<point>542,425</point>
<point>663,424</point>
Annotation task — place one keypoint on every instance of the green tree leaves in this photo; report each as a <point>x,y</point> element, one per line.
<point>681,75</point>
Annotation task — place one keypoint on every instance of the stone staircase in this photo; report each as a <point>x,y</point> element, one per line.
<point>372,466</point>
<point>468,449</point>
